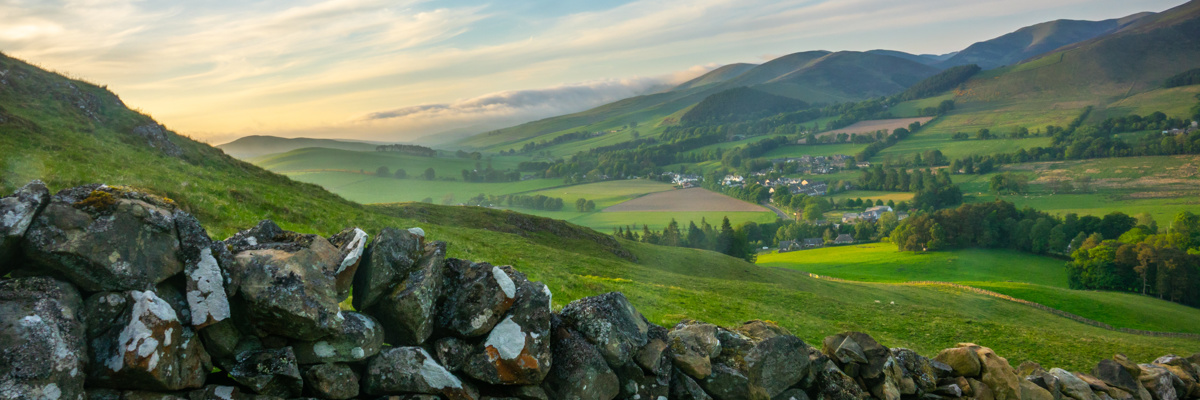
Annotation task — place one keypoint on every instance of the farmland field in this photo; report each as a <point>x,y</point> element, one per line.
<point>877,125</point>
<point>694,199</point>
<point>367,189</point>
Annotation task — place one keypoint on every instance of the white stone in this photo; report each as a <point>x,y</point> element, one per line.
<point>224,392</point>
<point>506,283</point>
<point>356,246</point>
<point>251,240</point>
<point>137,336</point>
<point>358,353</point>
<point>208,300</point>
<point>324,350</point>
<point>507,338</point>
<point>436,376</point>
<point>417,231</point>
<point>549,297</point>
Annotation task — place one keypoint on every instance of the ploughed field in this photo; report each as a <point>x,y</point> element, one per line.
<point>693,199</point>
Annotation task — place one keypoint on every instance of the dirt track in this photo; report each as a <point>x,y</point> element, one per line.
<point>694,199</point>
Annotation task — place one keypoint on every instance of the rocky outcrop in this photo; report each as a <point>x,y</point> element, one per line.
<point>117,294</point>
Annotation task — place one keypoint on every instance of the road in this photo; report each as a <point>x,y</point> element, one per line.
<point>777,211</point>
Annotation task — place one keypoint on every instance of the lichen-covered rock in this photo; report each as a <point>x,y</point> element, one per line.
<point>609,322</point>
<point>222,392</point>
<point>476,297</point>
<point>517,350</point>
<point>202,258</point>
<point>1103,389</point>
<point>997,374</point>
<point>1116,375</point>
<point>1185,371</point>
<point>1046,380</point>
<point>1031,391</point>
<point>360,338</point>
<point>452,352</point>
<point>758,360</point>
<point>693,345</point>
<point>409,309</point>
<point>792,394</point>
<point>962,359</point>
<point>351,242</point>
<point>105,239</point>
<point>917,369</point>
<point>286,281</point>
<point>1072,386</point>
<point>271,372</point>
<point>579,371</point>
<point>110,394</point>
<point>654,357</point>
<point>1160,382</point>
<point>636,383</point>
<point>331,381</point>
<point>42,350</point>
<point>683,387</point>
<point>16,215</point>
<point>857,354</point>
<point>386,262</point>
<point>833,384</point>
<point>401,370</point>
<point>527,392</point>
<point>136,341</point>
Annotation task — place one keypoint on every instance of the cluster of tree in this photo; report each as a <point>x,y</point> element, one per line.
<point>942,108</point>
<point>943,81</point>
<point>410,149</point>
<point>475,155</point>
<point>736,242</point>
<point>739,104</point>
<point>535,202</point>
<point>862,231</point>
<point>897,135</point>
<point>1010,183</point>
<point>1144,259</point>
<point>489,175</point>
<point>560,139</point>
<point>933,191</point>
<point>585,205</point>
<point>1185,78</point>
<point>1000,224</point>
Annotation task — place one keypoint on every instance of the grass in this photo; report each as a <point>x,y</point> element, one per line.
<point>1125,310</point>
<point>606,221</point>
<point>606,193</point>
<point>326,159</point>
<point>874,195</point>
<point>815,150</point>
<point>880,262</point>
<point>51,139</point>
<point>368,189</point>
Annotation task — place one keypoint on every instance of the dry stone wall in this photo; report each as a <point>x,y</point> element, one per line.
<point>112,293</point>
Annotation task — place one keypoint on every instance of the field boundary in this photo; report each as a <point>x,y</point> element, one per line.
<point>1039,306</point>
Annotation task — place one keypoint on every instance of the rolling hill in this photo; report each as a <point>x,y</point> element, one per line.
<point>68,132</point>
<point>1035,40</point>
<point>255,146</point>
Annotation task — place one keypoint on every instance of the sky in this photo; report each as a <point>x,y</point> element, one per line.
<point>408,70</point>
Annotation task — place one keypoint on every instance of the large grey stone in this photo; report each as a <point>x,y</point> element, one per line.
<point>758,360</point>
<point>401,370</point>
<point>331,381</point>
<point>106,239</point>
<point>136,341</point>
<point>272,372</point>
<point>693,345</point>
<point>610,323</point>
<point>360,338</point>
<point>351,242</point>
<point>387,262</point>
<point>1116,375</point>
<point>1072,386</point>
<point>42,350</point>
<point>409,311</point>
<point>16,215</point>
<point>202,260</point>
<point>286,281</point>
<point>579,371</point>
<point>517,350</point>
<point>476,297</point>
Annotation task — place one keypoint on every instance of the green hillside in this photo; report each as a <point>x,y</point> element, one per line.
<point>719,75</point>
<point>70,132</point>
<point>1035,40</point>
<point>255,146</point>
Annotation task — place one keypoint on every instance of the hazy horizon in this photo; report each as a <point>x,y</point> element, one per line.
<point>384,71</point>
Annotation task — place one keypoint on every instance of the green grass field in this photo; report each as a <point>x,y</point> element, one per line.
<point>880,262</point>
<point>367,189</point>
<point>849,149</point>
<point>1125,310</point>
<point>324,159</point>
<point>606,193</point>
<point>1001,121</point>
<point>874,195</point>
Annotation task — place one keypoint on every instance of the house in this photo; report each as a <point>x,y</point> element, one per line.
<point>844,239</point>
<point>900,216</point>
<point>875,212</point>
<point>813,243</point>
<point>850,218</point>
<point>789,245</point>
<point>864,164</point>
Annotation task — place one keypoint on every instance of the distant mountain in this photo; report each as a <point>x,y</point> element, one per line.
<point>1136,58</point>
<point>927,59</point>
<point>719,75</point>
<point>1036,40</point>
<point>739,104</point>
<point>844,76</point>
<point>254,146</point>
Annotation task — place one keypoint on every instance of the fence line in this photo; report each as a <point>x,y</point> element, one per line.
<point>1039,306</point>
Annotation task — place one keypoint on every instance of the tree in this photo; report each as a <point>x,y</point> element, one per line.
<point>430,174</point>
<point>382,171</point>
<point>427,200</point>
<point>581,204</point>
<point>448,199</point>
<point>814,211</point>
<point>725,237</point>
<point>589,206</point>
<point>400,174</point>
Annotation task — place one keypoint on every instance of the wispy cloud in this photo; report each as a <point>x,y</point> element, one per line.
<point>224,68</point>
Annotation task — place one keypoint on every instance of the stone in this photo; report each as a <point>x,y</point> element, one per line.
<point>476,297</point>
<point>1072,386</point>
<point>611,323</point>
<point>951,390</point>
<point>920,370</point>
<point>1045,380</point>
<point>1100,388</point>
<point>833,384</point>
<point>580,372</point>
<point>17,212</point>
<point>272,372</point>
<point>400,370</point>
<point>331,381</point>
<point>857,353</point>
<point>1160,382</point>
<point>980,390</point>
<point>693,345</point>
<point>791,394</point>
<point>452,352</point>
<point>998,374</point>
<point>654,357</point>
<point>222,392</point>
<point>1185,371</point>
<point>351,243</point>
<point>963,360</point>
<point>156,137</point>
<point>517,350</point>
<point>636,383</point>
<point>683,387</point>
<point>285,281</point>
<point>42,340</point>
<point>409,310</point>
<point>1031,391</point>
<point>360,338</point>
<point>202,259</point>
<point>757,360</point>
<point>388,261</point>
<point>105,239</point>
<point>136,341</point>
<point>527,392</point>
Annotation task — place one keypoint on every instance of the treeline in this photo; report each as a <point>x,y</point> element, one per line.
<point>535,202</point>
<point>897,135</point>
<point>932,191</point>
<point>862,231</point>
<point>410,149</point>
<point>739,104</point>
<point>490,175</point>
<point>1145,259</point>
<point>943,81</point>
<point>1185,78</point>
<point>736,242</point>
<point>560,139</point>
<point>1078,142</point>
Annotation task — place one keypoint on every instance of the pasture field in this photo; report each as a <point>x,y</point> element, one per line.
<point>325,159</point>
<point>912,108</point>
<point>871,126</point>
<point>849,149</point>
<point>368,189</point>
<point>874,195</point>
<point>1127,310</point>
<point>657,220</point>
<point>606,193</point>
<point>880,262</point>
<point>693,199</point>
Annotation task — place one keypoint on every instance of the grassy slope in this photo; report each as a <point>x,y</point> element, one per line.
<point>320,159</point>
<point>367,189</point>
<point>65,149</point>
